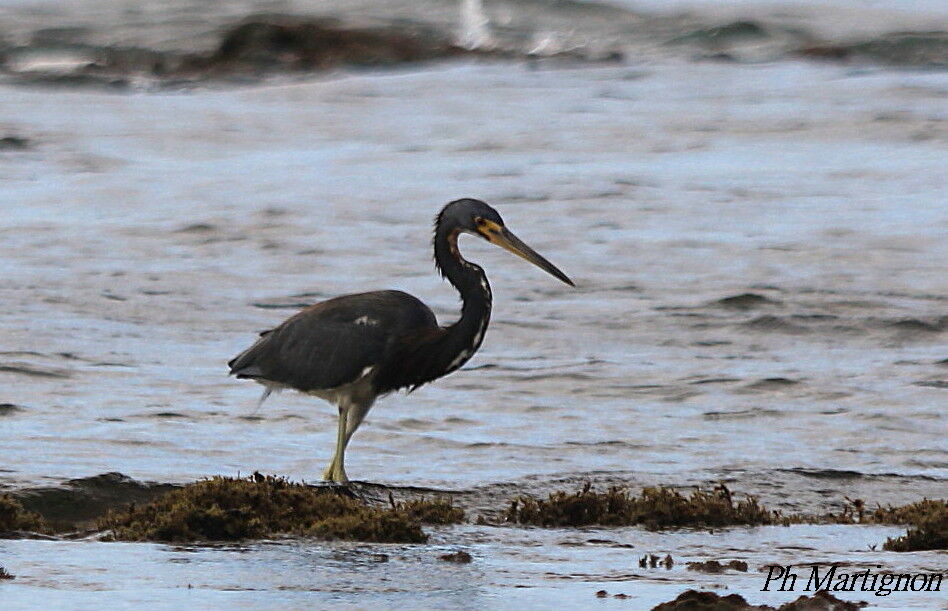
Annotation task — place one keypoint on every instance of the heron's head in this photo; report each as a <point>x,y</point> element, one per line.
<point>477,218</point>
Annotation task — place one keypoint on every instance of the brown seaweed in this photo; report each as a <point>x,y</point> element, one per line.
<point>230,509</point>
<point>13,517</point>
<point>659,507</point>
<point>929,530</point>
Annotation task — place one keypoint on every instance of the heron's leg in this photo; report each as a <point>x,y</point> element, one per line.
<point>336,471</point>
<point>356,415</point>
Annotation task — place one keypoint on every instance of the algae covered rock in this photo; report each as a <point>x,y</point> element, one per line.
<point>79,503</point>
<point>267,42</point>
<point>13,517</point>
<point>930,526</point>
<point>437,511</point>
<point>654,508</point>
<point>229,509</point>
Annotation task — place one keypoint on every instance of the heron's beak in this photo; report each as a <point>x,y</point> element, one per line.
<point>503,237</point>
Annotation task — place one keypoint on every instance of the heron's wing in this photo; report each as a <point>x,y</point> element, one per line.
<point>333,342</point>
<point>311,354</point>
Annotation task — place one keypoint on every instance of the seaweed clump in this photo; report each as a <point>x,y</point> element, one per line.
<point>437,511</point>
<point>654,508</point>
<point>229,509</point>
<point>13,517</point>
<point>929,520</point>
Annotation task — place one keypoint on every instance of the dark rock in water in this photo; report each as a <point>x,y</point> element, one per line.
<point>900,49</point>
<point>715,567</point>
<point>692,600</point>
<point>744,301</point>
<point>821,601</point>
<point>9,408</point>
<point>82,500</point>
<point>460,557</point>
<point>5,575</point>
<point>258,46</point>
<point>14,143</point>
<point>253,48</point>
<point>14,518</point>
<point>299,44</point>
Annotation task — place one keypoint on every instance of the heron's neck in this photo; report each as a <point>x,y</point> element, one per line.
<point>464,337</point>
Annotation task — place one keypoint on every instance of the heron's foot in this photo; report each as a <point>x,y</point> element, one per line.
<point>335,473</point>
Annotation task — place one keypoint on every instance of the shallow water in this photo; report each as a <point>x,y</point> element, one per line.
<point>535,567</point>
<point>154,234</point>
<point>149,236</point>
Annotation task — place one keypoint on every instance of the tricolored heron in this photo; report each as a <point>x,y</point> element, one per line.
<point>349,350</point>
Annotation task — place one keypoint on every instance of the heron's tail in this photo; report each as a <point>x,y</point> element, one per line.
<point>243,365</point>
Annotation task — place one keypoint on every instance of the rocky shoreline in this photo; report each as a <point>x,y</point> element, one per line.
<point>115,504</point>
<point>258,46</point>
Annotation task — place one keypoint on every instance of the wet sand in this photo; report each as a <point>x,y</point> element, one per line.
<point>759,250</point>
